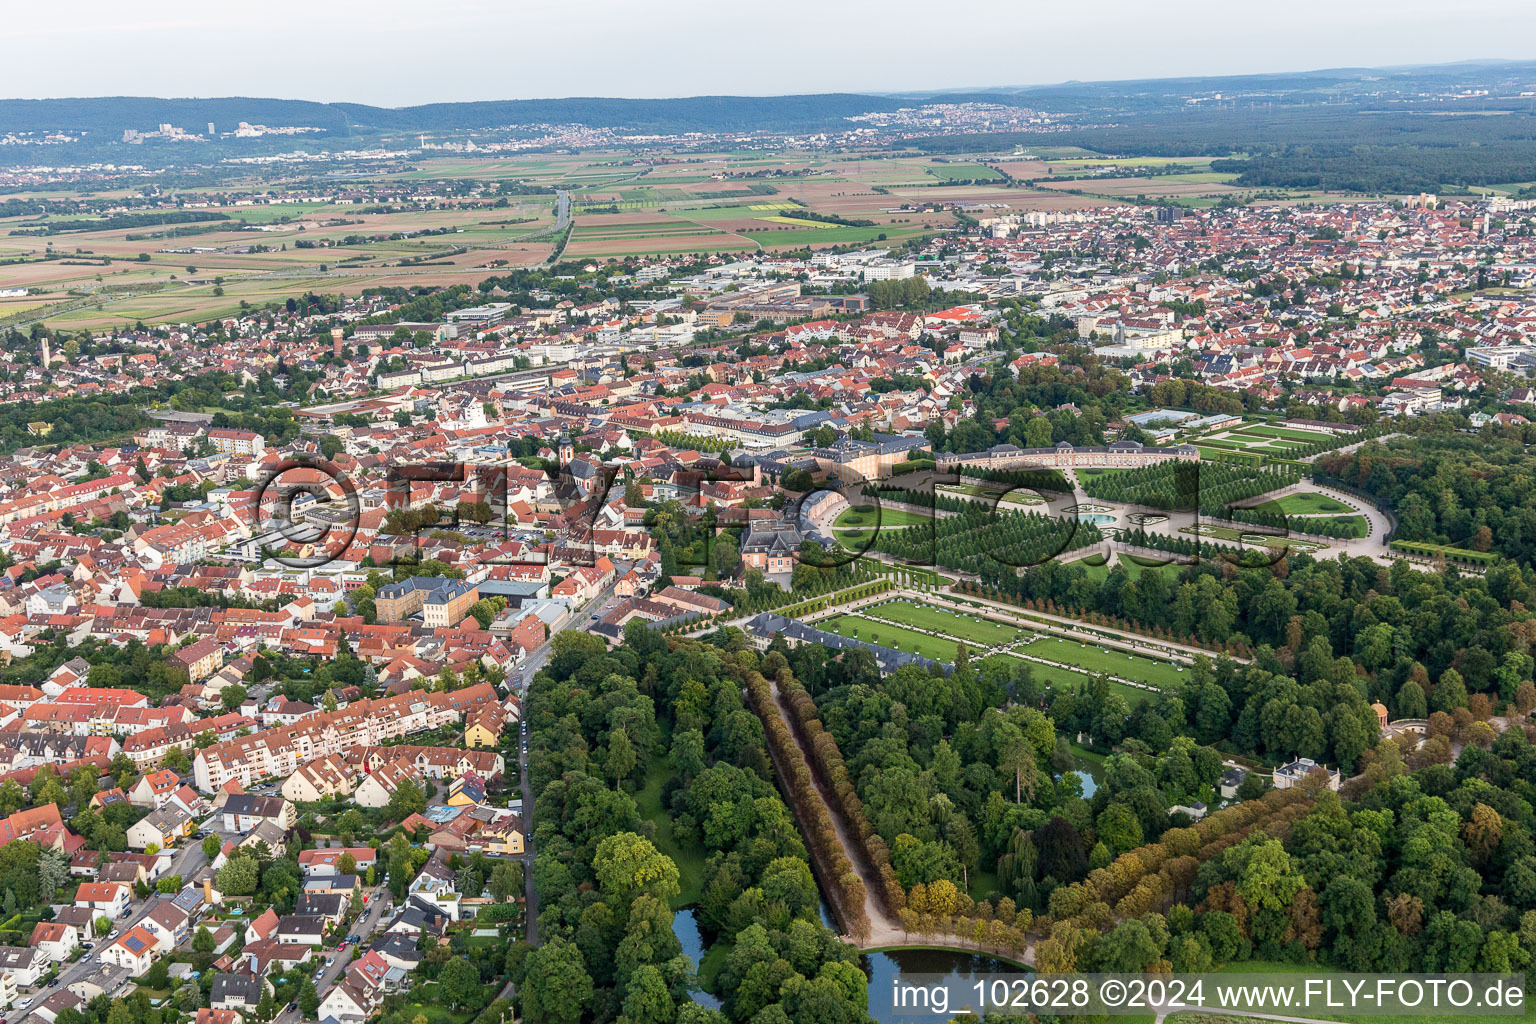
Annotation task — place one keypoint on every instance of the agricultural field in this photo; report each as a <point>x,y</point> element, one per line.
<point>622,205</point>
<point>963,172</point>
<point>175,272</point>
<point>1169,186</point>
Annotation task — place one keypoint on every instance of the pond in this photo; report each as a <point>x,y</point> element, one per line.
<point>686,928</point>
<point>883,968</point>
<point>1090,784</point>
<point>960,970</point>
<point>1090,771</point>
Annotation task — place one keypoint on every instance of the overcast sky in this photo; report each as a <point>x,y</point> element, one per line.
<point>396,53</point>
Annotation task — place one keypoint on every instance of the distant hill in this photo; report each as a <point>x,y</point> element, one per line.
<point>110,115</point>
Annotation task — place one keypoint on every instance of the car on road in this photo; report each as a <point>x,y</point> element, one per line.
<point>22,1004</point>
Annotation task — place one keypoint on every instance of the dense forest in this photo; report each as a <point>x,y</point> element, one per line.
<point>665,724</point>
<point>1449,487</point>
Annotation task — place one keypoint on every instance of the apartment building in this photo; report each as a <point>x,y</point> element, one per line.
<point>365,723</point>
<point>238,442</point>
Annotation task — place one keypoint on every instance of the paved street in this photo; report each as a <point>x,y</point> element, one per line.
<point>379,903</point>
<point>186,863</point>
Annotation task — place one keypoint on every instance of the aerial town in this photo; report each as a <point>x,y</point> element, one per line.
<point>696,635</point>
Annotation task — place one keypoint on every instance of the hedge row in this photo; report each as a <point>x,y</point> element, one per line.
<point>847,887</point>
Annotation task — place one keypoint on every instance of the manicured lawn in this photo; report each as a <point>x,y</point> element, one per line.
<point>1356,525</point>
<point>1099,573</point>
<point>1065,679</point>
<point>1050,674</point>
<point>1289,433</point>
<point>1117,663</point>
<point>942,620</point>
<point>1306,503</point>
<point>857,627</point>
<point>430,1004</point>
<point>871,515</point>
<point>689,859</point>
<point>1013,497</point>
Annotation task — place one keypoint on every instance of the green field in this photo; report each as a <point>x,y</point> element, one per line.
<point>1065,679</point>
<point>840,235</point>
<point>973,630</point>
<point>1012,497</point>
<point>690,858</point>
<point>963,172</point>
<point>1099,659</point>
<point>1291,433</point>
<point>856,627</point>
<point>1305,503</point>
<point>870,515</point>
<point>1050,673</point>
<point>1100,573</point>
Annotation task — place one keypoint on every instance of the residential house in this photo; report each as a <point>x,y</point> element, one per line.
<point>24,963</point>
<point>301,929</point>
<point>328,861</point>
<point>160,828</point>
<point>379,785</point>
<point>243,811</point>
<point>169,924</point>
<point>133,951</point>
<point>238,992</point>
<point>56,940</point>
<point>106,898</point>
<point>263,928</point>
<point>330,906</point>
<point>154,789</point>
